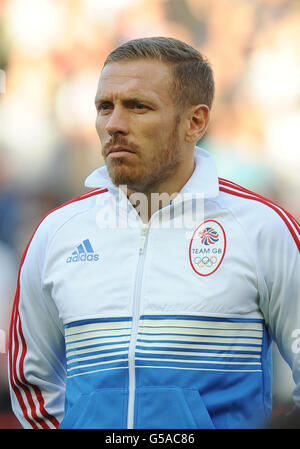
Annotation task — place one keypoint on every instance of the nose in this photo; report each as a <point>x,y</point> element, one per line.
<point>117,122</point>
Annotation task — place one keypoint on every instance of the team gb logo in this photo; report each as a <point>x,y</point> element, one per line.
<point>208,236</point>
<point>207,247</point>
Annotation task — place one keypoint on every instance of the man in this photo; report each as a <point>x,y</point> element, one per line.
<point>152,300</point>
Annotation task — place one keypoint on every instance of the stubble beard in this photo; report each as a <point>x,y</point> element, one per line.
<point>146,177</point>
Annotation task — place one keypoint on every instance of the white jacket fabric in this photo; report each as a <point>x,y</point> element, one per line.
<point>118,324</point>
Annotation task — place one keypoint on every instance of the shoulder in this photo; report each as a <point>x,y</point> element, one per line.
<point>57,217</point>
<point>72,207</point>
<point>259,214</point>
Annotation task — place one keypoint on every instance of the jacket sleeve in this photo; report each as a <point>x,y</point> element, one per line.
<point>279,260</point>
<point>36,345</point>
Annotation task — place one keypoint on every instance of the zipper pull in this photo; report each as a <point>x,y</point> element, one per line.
<point>143,238</point>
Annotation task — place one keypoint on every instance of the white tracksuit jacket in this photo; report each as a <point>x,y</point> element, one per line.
<point>117,324</point>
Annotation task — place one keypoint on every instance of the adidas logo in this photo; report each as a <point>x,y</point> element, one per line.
<point>84,252</point>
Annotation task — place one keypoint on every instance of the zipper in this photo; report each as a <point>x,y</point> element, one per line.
<point>135,323</point>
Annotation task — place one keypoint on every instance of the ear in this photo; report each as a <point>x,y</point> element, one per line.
<point>197,122</point>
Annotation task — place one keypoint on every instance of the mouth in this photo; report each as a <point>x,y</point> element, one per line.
<point>118,151</point>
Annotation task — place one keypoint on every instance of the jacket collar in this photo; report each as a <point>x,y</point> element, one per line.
<point>204,180</point>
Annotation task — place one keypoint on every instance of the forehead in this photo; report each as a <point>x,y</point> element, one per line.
<point>146,77</point>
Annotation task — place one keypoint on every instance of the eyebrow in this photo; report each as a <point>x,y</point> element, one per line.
<point>129,99</point>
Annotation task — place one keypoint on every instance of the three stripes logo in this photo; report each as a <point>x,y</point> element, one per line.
<point>84,252</point>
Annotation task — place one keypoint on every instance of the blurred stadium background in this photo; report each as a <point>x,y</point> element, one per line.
<point>51,54</point>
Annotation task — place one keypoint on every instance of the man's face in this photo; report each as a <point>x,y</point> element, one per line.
<point>138,124</point>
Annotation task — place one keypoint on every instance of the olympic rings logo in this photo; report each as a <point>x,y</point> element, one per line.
<point>205,261</point>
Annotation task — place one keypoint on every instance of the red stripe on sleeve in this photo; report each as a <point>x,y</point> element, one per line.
<point>15,383</point>
<point>233,185</point>
<point>244,193</point>
<point>19,382</point>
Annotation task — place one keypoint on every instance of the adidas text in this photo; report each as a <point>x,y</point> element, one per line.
<point>83,258</point>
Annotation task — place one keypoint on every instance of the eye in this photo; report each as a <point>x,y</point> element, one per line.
<point>104,107</point>
<point>139,107</point>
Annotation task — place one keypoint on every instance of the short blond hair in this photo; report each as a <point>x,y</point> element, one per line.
<point>193,81</point>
